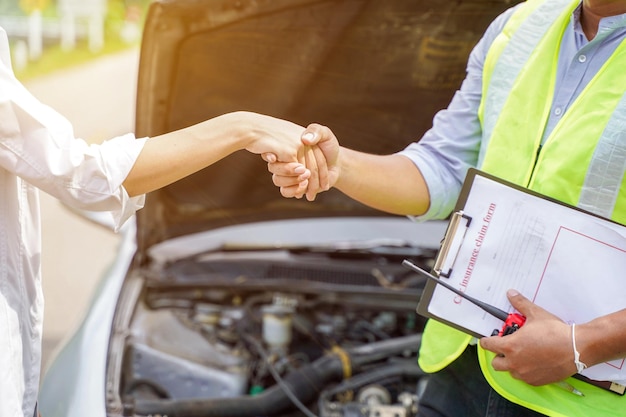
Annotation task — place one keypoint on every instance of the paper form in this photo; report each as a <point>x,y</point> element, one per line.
<point>566,261</point>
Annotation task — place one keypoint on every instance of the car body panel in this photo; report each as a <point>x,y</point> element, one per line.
<point>73,383</point>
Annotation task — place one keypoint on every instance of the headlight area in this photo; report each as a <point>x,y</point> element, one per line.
<point>274,348</point>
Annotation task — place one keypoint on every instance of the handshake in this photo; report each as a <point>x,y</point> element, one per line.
<point>315,169</point>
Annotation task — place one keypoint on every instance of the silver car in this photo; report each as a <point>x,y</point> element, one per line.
<point>227,299</point>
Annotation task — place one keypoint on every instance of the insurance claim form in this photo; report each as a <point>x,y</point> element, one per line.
<point>565,260</point>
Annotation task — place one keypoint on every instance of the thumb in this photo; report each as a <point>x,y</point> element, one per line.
<point>309,138</point>
<point>520,303</point>
<point>269,157</point>
<point>314,133</point>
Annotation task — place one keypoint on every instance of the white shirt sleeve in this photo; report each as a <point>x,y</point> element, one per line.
<point>38,145</point>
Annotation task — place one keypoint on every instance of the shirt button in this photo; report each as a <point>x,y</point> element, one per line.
<point>582,58</point>
<point>558,111</point>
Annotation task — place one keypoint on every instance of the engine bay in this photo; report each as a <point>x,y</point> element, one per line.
<point>331,339</point>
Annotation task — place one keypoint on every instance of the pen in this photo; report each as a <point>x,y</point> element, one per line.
<point>494,311</point>
<point>569,387</point>
<point>512,321</point>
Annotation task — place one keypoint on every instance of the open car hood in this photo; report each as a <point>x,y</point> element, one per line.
<point>376,72</point>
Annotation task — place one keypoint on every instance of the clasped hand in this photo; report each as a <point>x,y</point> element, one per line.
<point>320,157</point>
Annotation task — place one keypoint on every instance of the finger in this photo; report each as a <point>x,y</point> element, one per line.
<point>289,192</point>
<point>311,164</point>
<point>269,157</point>
<point>303,159</point>
<point>291,178</point>
<point>322,169</point>
<point>312,134</point>
<point>294,191</point>
<point>287,169</point>
<point>521,303</point>
<point>493,344</point>
<point>500,363</point>
<point>283,181</point>
<point>302,188</point>
<point>309,138</point>
<point>316,133</point>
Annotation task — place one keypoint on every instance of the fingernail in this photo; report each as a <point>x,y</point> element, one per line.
<point>300,169</point>
<point>512,293</point>
<point>308,136</point>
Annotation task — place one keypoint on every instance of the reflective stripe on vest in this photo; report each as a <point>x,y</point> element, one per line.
<point>502,69</point>
<point>605,185</point>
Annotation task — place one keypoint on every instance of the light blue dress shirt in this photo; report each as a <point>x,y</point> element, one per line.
<point>450,147</point>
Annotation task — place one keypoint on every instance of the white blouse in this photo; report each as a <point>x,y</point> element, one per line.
<point>38,151</point>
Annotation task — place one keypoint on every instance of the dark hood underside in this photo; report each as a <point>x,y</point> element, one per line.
<point>376,72</point>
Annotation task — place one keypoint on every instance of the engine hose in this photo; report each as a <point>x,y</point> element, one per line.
<point>306,383</point>
<point>407,370</point>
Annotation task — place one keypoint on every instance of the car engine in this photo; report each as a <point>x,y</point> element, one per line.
<point>307,335</point>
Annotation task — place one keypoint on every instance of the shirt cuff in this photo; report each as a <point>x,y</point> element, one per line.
<point>442,194</point>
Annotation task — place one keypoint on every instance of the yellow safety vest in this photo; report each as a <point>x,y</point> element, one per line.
<point>581,163</point>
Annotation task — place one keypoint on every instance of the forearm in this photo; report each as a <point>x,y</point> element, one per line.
<point>391,183</point>
<point>602,339</point>
<point>172,156</point>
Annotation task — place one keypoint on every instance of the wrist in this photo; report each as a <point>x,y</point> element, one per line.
<point>588,344</point>
<point>228,132</point>
<point>243,131</point>
<point>342,167</point>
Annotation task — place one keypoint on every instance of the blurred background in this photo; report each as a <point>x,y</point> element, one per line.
<point>46,35</point>
<point>80,57</point>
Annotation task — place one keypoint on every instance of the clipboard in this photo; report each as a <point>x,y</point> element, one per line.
<point>451,242</point>
<point>451,262</point>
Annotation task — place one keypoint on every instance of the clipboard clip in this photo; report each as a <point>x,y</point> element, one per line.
<point>455,233</point>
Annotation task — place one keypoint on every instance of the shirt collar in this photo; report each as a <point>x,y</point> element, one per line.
<point>607,26</point>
